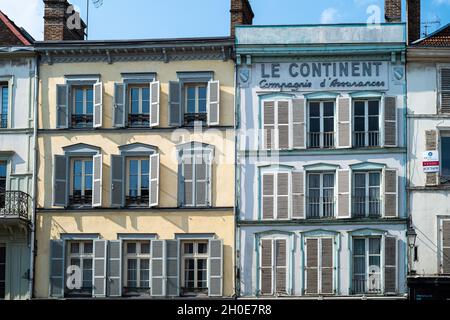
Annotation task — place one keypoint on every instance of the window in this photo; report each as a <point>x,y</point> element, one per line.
<point>80,254</point>
<point>139,102</point>
<point>319,266</point>
<point>320,196</point>
<point>321,124</point>
<point>195,266</point>
<point>2,271</point>
<point>366,123</point>
<point>367,194</point>
<point>367,265</point>
<point>196,173</point>
<point>138,181</point>
<point>275,195</point>
<point>83,106</point>
<point>273,266</point>
<point>81,193</point>
<point>4,101</point>
<point>276,125</point>
<point>195,102</point>
<point>445,250</point>
<point>2,183</point>
<point>137,267</point>
<point>445,90</point>
<point>445,155</point>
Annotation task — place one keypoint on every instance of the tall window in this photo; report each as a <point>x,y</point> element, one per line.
<point>321,124</point>
<point>320,197</point>
<point>81,193</point>
<point>445,154</point>
<point>196,179</point>
<point>83,106</point>
<point>138,181</point>
<point>367,194</point>
<point>275,195</point>
<point>366,123</point>
<point>195,266</point>
<point>137,267</point>
<point>276,124</point>
<point>4,101</point>
<point>273,266</point>
<point>80,254</point>
<point>367,265</point>
<point>2,183</point>
<point>195,102</point>
<point>2,270</point>
<point>139,102</point>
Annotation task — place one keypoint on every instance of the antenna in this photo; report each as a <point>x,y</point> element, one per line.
<point>428,24</point>
<point>97,4</point>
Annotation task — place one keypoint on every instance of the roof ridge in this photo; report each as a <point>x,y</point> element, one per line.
<point>14,29</point>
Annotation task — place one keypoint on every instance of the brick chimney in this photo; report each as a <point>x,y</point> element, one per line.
<point>241,13</point>
<point>61,22</point>
<point>413,18</point>
<point>393,11</point>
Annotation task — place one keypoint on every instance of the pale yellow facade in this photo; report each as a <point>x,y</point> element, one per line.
<point>164,220</point>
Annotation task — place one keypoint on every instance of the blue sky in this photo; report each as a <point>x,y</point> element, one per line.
<point>139,19</point>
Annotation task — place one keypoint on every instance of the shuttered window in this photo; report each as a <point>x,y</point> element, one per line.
<point>445,252</point>
<point>366,277</point>
<point>194,267</point>
<point>80,255</point>
<point>320,201</point>
<point>319,266</point>
<point>321,124</point>
<point>196,184</point>
<point>366,123</point>
<point>81,181</point>
<point>136,266</point>
<point>138,180</point>
<point>445,90</point>
<point>366,199</point>
<point>277,125</point>
<point>276,195</point>
<point>273,266</point>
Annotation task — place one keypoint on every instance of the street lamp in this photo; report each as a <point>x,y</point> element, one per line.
<point>412,236</point>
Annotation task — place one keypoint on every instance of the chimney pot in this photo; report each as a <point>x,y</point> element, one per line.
<point>241,14</point>
<point>414,22</point>
<point>393,11</point>
<point>56,27</point>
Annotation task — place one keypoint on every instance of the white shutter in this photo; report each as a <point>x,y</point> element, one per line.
<point>99,269</point>
<point>390,121</point>
<point>154,103</point>
<point>344,193</point>
<point>298,195</point>
<point>119,112</point>
<point>299,123</point>
<point>97,181</point>
<point>98,104</point>
<point>390,179</point>
<point>445,90</point>
<point>213,104</point>
<point>154,180</point>
<point>344,119</point>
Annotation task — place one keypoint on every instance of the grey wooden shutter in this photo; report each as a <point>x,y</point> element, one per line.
<point>268,196</point>
<point>431,143</point>
<point>56,269</point>
<point>281,266</point>
<point>158,283</point>
<point>173,267</point>
<point>60,172</point>
<point>213,105</point>
<point>119,111</point>
<point>312,266</point>
<point>283,125</point>
<point>266,267</point>
<point>99,285</point>
<point>327,266</point>
<point>390,265</point>
<point>298,195</point>
<point>390,121</point>
<point>283,195</point>
<point>175,112</point>
<point>98,104</point>
<point>299,123</point>
<point>154,180</point>
<point>445,246</point>
<point>344,179</point>
<point>269,125</point>
<point>215,288</point>
<point>445,90</point>
<point>154,103</point>
<point>390,193</point>
<point>97,181</point>
<point>344,120</point>
<point>117,181</point>
<point>62,106</point>
<point>188,181</point>
<point>201,181</point>
<point>114,283</point>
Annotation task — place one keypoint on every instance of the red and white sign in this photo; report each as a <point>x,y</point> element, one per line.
<point>431,161</point>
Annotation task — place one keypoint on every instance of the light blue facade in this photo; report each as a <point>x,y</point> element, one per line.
<point>285,74</point>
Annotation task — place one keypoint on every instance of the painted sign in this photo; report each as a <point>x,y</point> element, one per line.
<point>323,76</point>
<point>431,161</point>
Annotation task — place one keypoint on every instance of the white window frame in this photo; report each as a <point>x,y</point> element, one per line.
<point>319,261</point>
<point>275,238</point>
<point>366,120</point>
<point>195,256</point>
<point>140,88</point>
<point>83,174</point>
<point>138,256</point>
<point>196,86</point>
<point>275,173</point>
<point>276,125</point>
<point>81,255</point>
<point>322,120</point>
<point>84,88</point>
<point>367,188</point>
<point>191,155</point>
<point>5,84</point>
<point>139,175</point>
<point>321,191</point>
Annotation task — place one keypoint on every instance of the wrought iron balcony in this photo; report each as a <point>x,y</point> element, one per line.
<point>138,120</point>
<point>320,207</point>
<point>363,285</point>
<point>82,120</point>
<point>366,207</point>
<point>15,204</point>
<point>367,139</point>
<point>321,140</point>
<point>191,118</point>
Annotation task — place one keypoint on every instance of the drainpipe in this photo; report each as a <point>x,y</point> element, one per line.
<point>236,186</point>
<point>34,188</point>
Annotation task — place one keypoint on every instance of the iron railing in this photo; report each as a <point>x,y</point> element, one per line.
<point>139,120</point>
<point>190,118</point>
<point>4,120</point>
<point>366,139</point>
<point>320,207</point>
<point>82,120</point>
<point>321,140</point>
<point>15,204</point>
<point>366,207</point>
<point>138,201</point>
<point>79,200</point>
<point>363,285</point>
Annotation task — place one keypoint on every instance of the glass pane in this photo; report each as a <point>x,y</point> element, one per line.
<point>374,108</point>
<point>74,247</point>
<point>75,262</point>
<point>145,100</point>
<point>191,106</point>
<point>202,248</point>
<point>131,247</point>
<point>144,166</point>
<point>359,108</point>
<point>445,145</point>
<point>5,100</point>
<point>373,123</point>
<point>89,101</point>
<point>145,247</point>
<point>202,99</point>
<point>134,165</point>
<point>87,247</point>
<point>374,179</point>
<point>314,109</point>
<point>359,265</point>
<point>314,125</point>
<point>191,93</point>
<point>359,246</point>
<point>328,125</point>
<point>360,180</point>
<point>188,248</point>
<point>79,101</point>
<point>374,245</point>
<point>360,124</point>
<point>2,169</point>
<point>88,167</point>
<point>374,263</point>
<point>328,109</point>
<point>328,180</point>
<point>314,181</point>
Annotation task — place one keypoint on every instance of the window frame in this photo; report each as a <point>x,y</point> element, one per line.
<point>195,256</point>
<point>5,85</point>
<point>197,86</point>
<point>138,256</point>
<point>85,88</point>
<point>321,193</point>
<point>83,177</point>
<point>82,256</point>
<point>140,159</point>
<point>275,172</point>
<point>367,189</point>
<point>366,117</point>
<point>321,123</point>
<point>193,155</point>
<point>276,125</point>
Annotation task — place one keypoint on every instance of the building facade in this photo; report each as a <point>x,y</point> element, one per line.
<point>17,105</point>
<point>321,157</point>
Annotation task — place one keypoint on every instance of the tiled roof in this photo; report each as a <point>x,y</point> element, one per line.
<point>22,37</point>
<point>440,38</point>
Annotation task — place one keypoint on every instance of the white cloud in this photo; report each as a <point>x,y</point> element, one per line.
<point>329,15</point>
<point>439,2</point>
<point>27,14</point>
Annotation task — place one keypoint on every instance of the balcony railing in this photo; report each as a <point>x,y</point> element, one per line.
<point>15,204</point>
<point>82,120</point>
<point>366,207</point>
<point>190,118</point>
<point>366,139</point>
<point>79,200</point>
<point>138,120</point>
<point>320,207</point>
<point>362,285</point>
<point>321,140</point>
<point>139,201</point>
